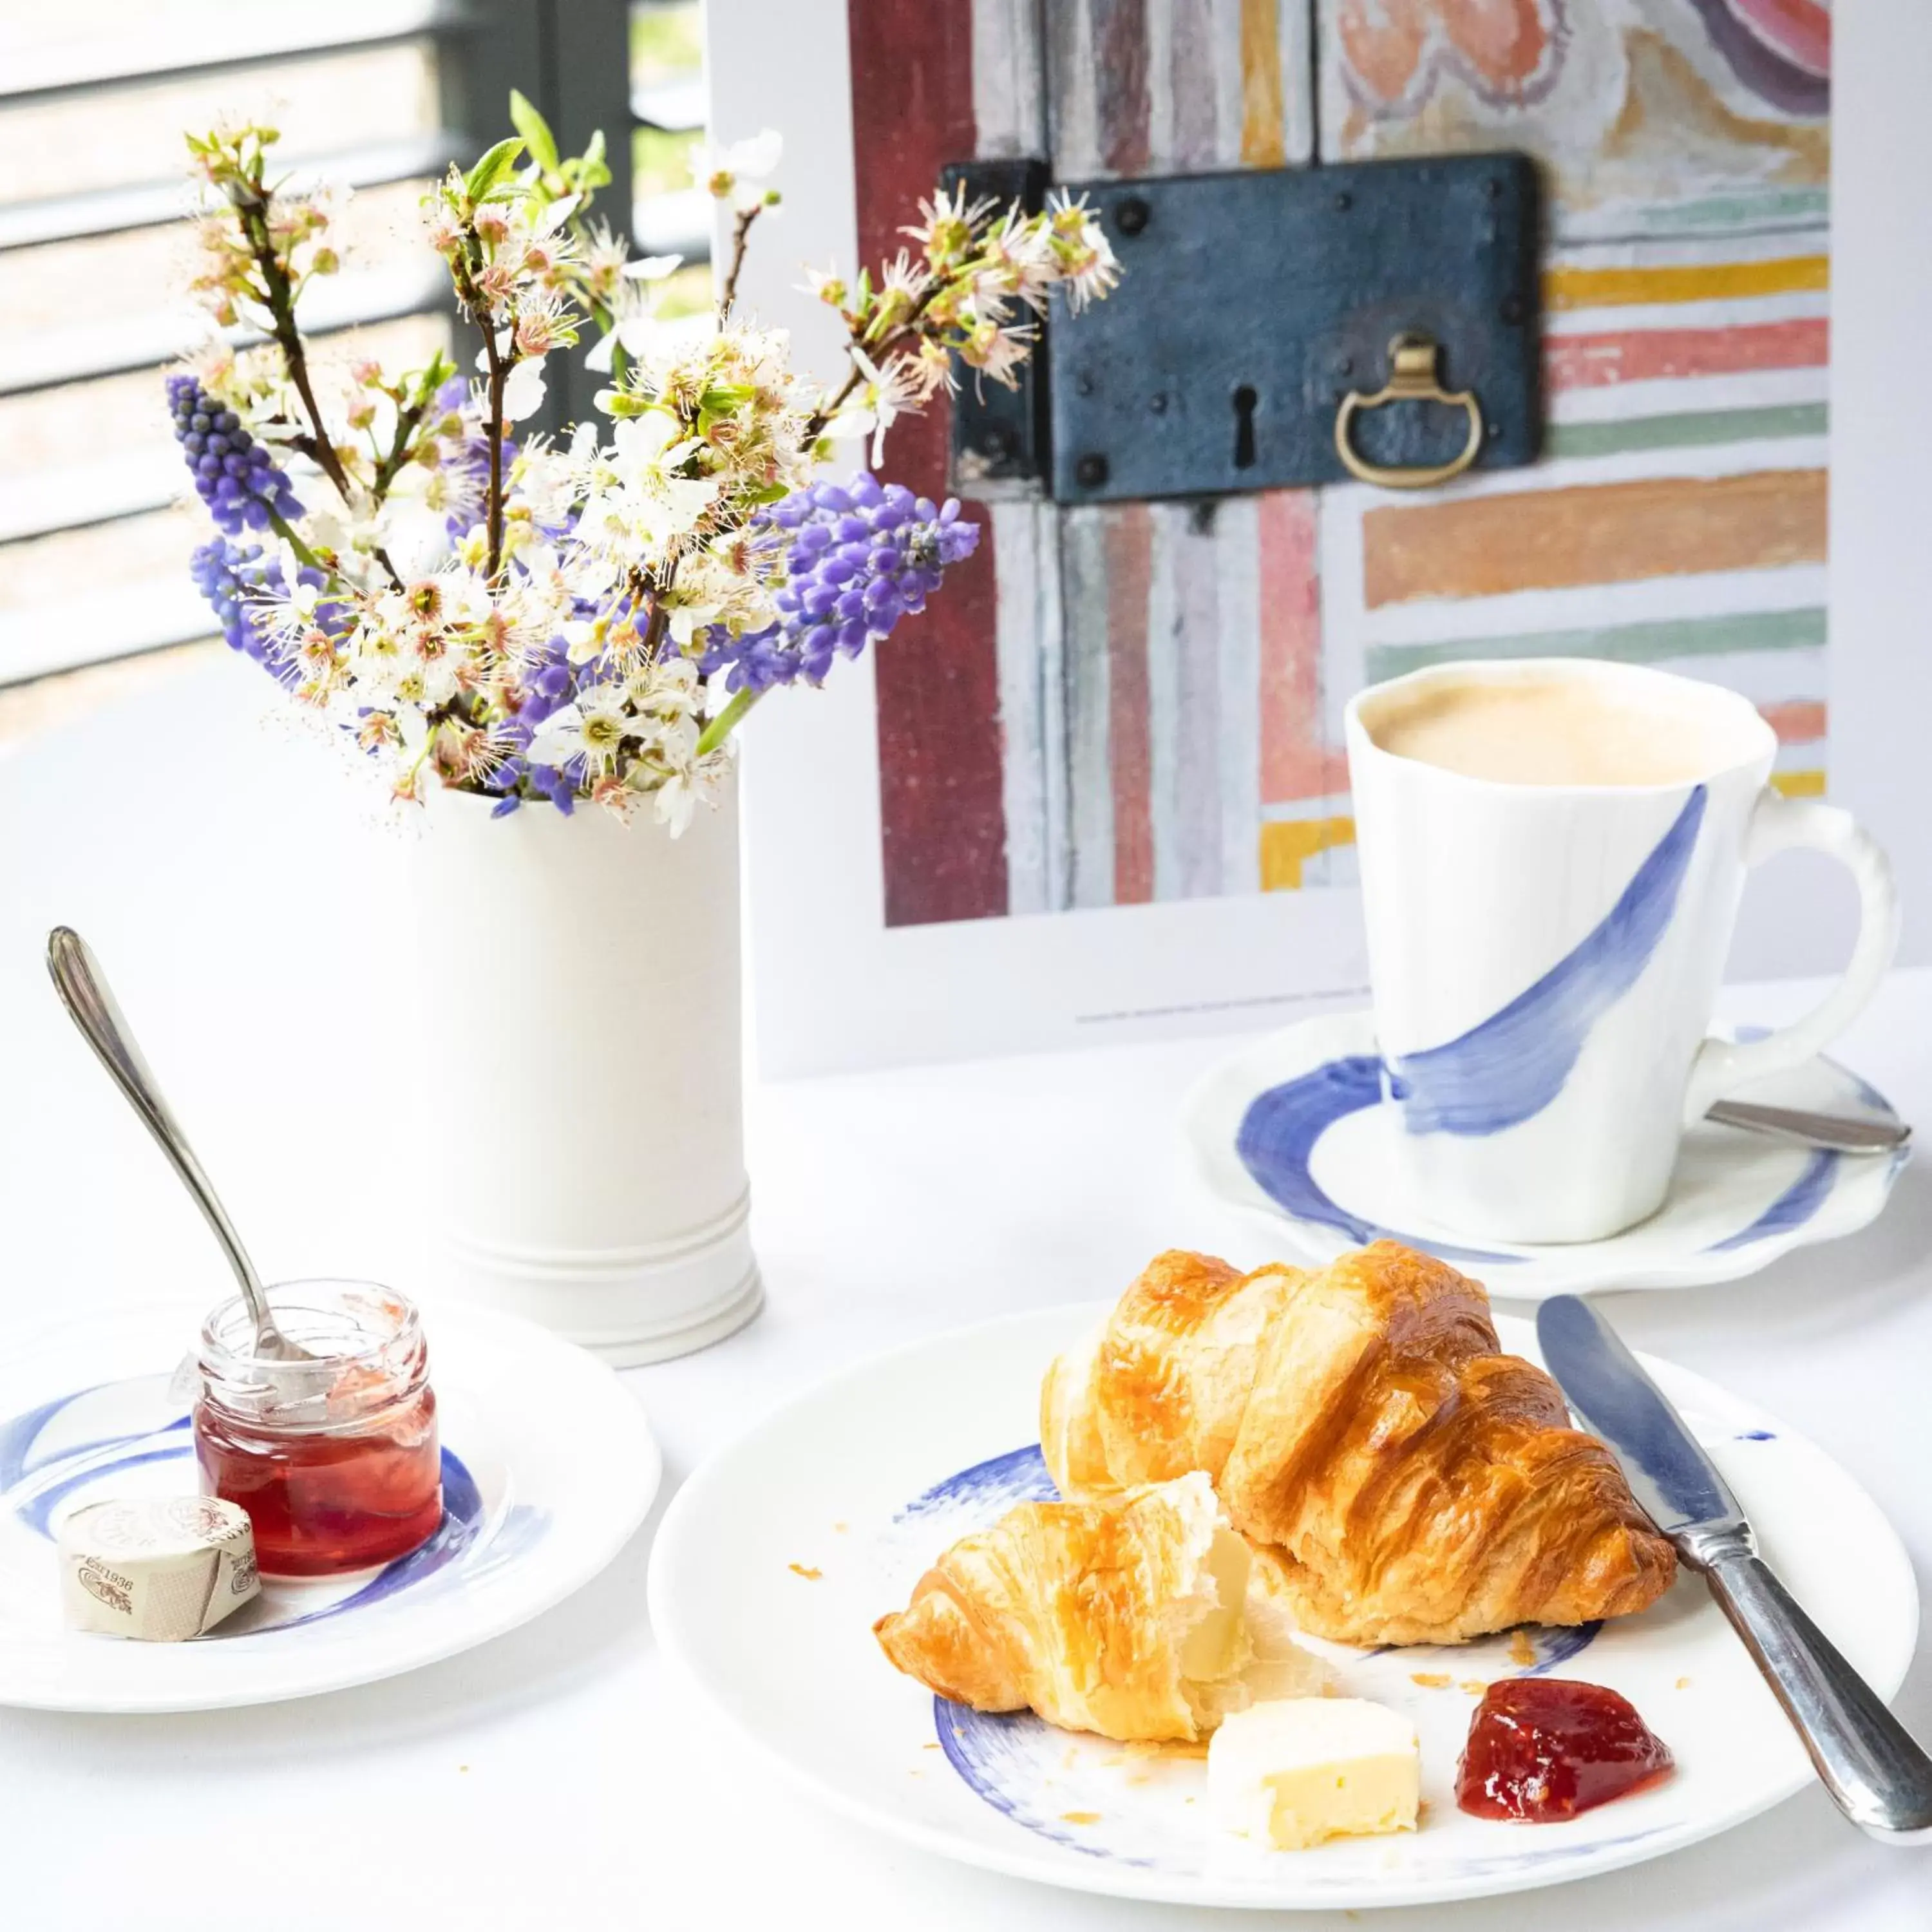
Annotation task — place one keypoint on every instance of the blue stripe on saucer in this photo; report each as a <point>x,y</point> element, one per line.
<point>1793,1207</point>
<point>1276,1141</point>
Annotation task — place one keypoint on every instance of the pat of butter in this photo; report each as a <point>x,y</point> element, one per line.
<point>1293,1772</point>
<point>161,1568</point>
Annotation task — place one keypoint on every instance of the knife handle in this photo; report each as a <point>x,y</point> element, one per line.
<point>1877,1776</point>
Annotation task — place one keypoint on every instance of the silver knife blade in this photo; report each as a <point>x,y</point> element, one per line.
<point>1669,1474</point>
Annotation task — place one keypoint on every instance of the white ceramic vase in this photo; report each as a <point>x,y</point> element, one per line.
<point>583,977</point>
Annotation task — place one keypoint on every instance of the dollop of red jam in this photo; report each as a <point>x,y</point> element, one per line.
<point>1544,1748</point>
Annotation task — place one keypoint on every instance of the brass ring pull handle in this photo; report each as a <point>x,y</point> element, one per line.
<point>1412,378</point>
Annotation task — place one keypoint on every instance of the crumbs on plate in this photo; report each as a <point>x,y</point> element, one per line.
<point>1080,1817</point>
<point>1522,1652</point>
<point>1683,1683</point>
<point>1162,1747</point>
<point>805,1571</point>
<point>1430,1680</point>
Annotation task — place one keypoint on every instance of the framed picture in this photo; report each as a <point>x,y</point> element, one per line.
<point>1096,792</point>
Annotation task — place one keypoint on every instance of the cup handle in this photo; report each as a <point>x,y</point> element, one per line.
<point>1778,823</point>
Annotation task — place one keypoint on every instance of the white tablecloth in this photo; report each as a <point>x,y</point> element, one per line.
<point>557,1776</point>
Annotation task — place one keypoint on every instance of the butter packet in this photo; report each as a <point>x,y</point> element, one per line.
<point>159,1568</point>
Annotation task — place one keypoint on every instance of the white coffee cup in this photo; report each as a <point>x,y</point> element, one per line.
<point>1545,954</point>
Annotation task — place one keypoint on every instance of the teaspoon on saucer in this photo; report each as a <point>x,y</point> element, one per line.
<point>1839,1132</point>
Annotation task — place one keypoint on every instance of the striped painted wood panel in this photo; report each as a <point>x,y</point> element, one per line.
<point>1169,634</point>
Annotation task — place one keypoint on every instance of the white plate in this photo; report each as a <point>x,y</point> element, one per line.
<point>548,1467</point>
<point>867,1479</point>
<point>1291,1129</point>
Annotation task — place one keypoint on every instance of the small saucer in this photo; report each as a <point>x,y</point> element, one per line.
<point>548,1467</point>
<point>1292,1129</point>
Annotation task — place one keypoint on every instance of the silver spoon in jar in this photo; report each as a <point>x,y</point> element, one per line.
<point>84,992</point>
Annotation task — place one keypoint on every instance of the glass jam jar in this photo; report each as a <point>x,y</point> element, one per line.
<point>336,1460</point>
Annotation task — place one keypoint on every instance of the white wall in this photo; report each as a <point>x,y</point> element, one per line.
<point>1881,494</point>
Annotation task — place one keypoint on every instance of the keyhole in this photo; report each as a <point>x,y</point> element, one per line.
<point>1245,400</point>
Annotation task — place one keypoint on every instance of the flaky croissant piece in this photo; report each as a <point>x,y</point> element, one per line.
<point>1418,1485</point>
<point>1124,1617</point>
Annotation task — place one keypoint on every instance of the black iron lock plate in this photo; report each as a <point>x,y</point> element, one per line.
<point>1251,304</point>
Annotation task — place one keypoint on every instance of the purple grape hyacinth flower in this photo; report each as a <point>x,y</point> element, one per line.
<point>235,475</point>
<point>549,682</point>
<point>228,574</point>
<point>860,555</point>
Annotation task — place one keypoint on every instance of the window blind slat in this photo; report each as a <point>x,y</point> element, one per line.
<point>149,204</point>
<point>234,37</point>
<point>143,614</point>
<point>113,347</point>
<point>77,495</point>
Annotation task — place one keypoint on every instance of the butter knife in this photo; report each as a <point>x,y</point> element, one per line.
<point>1877,1776</point>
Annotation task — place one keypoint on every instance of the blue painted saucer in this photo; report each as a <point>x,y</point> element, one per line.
<point>548,1466</point>
<point>1291,1130</point>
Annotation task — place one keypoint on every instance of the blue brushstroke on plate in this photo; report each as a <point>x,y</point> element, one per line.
<point>1552,1644</point>
<point>1793,1207</point>
<point>1509,1067</point>
<point>988,1749</point>
<point>37,1512</point>
<point>18,1433</point>
<point>1555,1646</point>
<point>1868,1094</point>
<point>1019,1476</point>
<point>1276,1142</point>
<point>87,1463</point>
<point>992,1752</point>
<point>1754,1436</point>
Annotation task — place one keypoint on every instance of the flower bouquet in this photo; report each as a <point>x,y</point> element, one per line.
<point>585,617</point>
<point>508,624</point>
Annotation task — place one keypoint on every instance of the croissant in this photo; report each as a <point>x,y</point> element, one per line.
<point>1418,1485</point>
<point>1126,1617</point>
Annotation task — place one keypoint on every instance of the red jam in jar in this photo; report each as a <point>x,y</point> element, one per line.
<point>335,1459</point>
<point>1544,1748</point>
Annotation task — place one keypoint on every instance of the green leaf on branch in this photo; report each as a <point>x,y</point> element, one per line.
<point>535,130</point>
<point>590,170</point>
<point>492,168</point>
